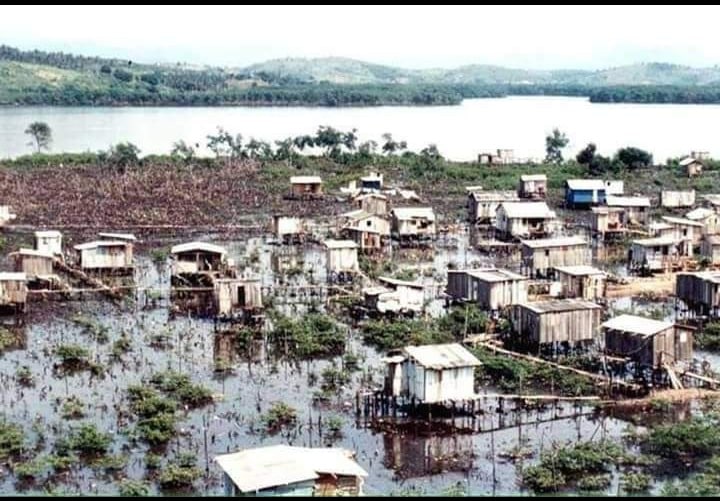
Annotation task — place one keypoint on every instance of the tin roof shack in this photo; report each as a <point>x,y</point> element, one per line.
<point>395,296</point>
<point>237,295</point>
<point>106,255</point>
<point>413,223</point>
<point>306,187</point>
<point>700,291</point>
<point>532,186</point>
<point>659,254</point>
<point>482,205</point>
<point>608,220</point>
<point>36,265</point>
<point>582,282</point>
<point>13,291</point>
<point>502,156</point>
<point>710,249</point>
<point>373,182</point>
<point>648,342</point>
<point>673,199</point>
<point>692,166</point>
<point>583,193</point>
<point>524,220</point>
<point>197,257</point>
<point>707,217</point>
<point>282,470</point>
<point>635,209</point>
<point>540,257</point>
<point>126,237</point>
<point>712,201</point>
<point>565,322</point>
<point>685,229</point>
<point>49,242</point>
<point>342,257</point>
<point>5,215</point>
<point>368,230</point>
<point>432,374</point>
<point>288,229</point>
<point>374,203</point>
<point>492,289</point>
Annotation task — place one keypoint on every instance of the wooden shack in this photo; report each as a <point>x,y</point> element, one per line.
<point>693,167</point>
<point>106,255</point>
<point>648,342</point>
<point>371,232</point>
<point>524,220</point>
<point>395,296</point>
<point>700,291</point>
<point>674,199</point>
<point>288,229</point>
<point>238,294</point>
<point>125,237</point>
<point>432,374</point>
<point>49,241</point>
<point>36,265</point>
<point>13,290</point>
<point>582,282</point>
<point>569,322</point>
<point>197,257</point>
<point>608,220</point>
<point>373,182</point>
<point>539,258</point>
<point>659,254</point>
<point>635,209</point>
<point>532,186</point>
<point>341,257</point>
<point>492,289</point>
<point>306,187</point>
<point>710,249</point>
<point>709,219</point>
<point>482,205</point>
<point>413,223</point>
<point>373,203</point>
<point>282,470</point>
<point>684,229</point>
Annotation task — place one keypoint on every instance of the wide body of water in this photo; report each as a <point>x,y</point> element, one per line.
<point>460,132</point>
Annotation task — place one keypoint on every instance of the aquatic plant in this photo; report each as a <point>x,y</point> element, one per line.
<point>133,488</point>
<point>29,470</point>
<point>121,345</point>
<point>175,476</point>
<point>111,463</point>
<point>73,408</point>
<point>280,415</point>
<point>312,336</point>
<point>689,440</point>
<point>708,338</point>
<point>12,439</point>
<point>635,482</point>
<point>180,387</point>
<point>24,376</point>
<point>87,439</point>
<point>333,379</point>
<point>99,332</point>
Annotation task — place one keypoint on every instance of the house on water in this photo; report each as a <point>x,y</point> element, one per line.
<point>36,265</point>
<point>373,203</point>
<point>482,205</point>
<point>395,296</point>
<point>524,220</point>
<point>584,193</point>
<point>106,255</point>
<point>49,241</point>
<point>431,374</point>
<point>582,282</point>
<point>283,470</point>
<point>288,229</point>
<point>693,167</point>
<point>683,229</point>
<point>700,291</point>
<point>539,258</point>
<point>674,199</point>
<point>197,257</point>
<point>566,323</point>
<point>237,296</point>
<point>306,187</point>
<point>659,254</point>
<point>370,231</point>
<point>413,223</point>
<point>649,343</point>
<point>532,186</point>
<point>607,221</point>
<point>492,289</point>
<point>13,291</point>
<point>341,258</point>
<point>635,209</point>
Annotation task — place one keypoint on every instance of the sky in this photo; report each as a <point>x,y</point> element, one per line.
<point>533,37</point>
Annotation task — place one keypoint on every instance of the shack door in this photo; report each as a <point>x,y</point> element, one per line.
<point>241,296</point>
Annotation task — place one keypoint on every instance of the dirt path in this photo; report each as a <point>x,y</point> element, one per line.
<point>659,285</point>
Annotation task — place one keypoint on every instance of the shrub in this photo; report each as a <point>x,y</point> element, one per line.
<point>697,437</point>
<point>133,488</point>
<point>73,408</point>
<point>542,479</point>
<point>634,482</point>
<point>24,376</point>
<point>280,415</point>
<point>87,439</point>
<point>179,386</point>
<point>12,440</point>
<point>178,477</point>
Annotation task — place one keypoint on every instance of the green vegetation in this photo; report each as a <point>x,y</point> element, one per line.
<point>704,483</point>
<point>12,440</point>
<point>86,440</point>
<point>312,336</point>
<point>635,482</point>
<point>180,474</point>
<point>156,424</point>
<point>279,416</point>
<point>709,337</point>
<point>554,144</point>
<point>41,134</point>
<point>73,408</point>
<point>389,334</point>
<point>179,387</point>
<point>99,332</point>
<point>133,488</point>
<point>688,441</point>
<point>24,376</point>
<point>7,339</point>
<point>74,357</point>
<point>30,470</point>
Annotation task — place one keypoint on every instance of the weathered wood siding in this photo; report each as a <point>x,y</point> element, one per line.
<point>342,260</point>
<point>34,266</point>
<point>542,260</point>
<point>590,287</point>
<point>13,292</point>
<point>668,346</point>
<point>488,295</point>
<point>573,326</point>
<point>107,257</point>
<point>237,293</point>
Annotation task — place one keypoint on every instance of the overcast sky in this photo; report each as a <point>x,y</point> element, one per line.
<point>414,37</point>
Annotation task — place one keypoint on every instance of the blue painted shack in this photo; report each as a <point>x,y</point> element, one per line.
<point>580,193</point>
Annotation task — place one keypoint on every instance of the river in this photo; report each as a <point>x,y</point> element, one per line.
<point>460,132</point>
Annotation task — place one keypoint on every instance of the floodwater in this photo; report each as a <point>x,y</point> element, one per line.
<point>460,132</point>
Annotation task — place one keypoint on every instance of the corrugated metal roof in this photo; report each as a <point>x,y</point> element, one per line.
<point>100,243</point>
<point>713,199</point>
<point>533,177</point>
<point>554,242</point>
<point>560,305</point>
<point>305,180</point>
<point>654,242</point>
<point>414,213</point>
<point>493,274</point>
<point>699,213</point>
<point>394,281</point>
<point>586,184</point>
<point>198,246</point>
<point>374,291</point>
<point>118,236</point>
<point>689,160</point>
<point>276,465</point>
<point>495,196</point>
<point>580,270</point>
<point>442,356</point>
<point>340,244</point>
<point>527,210</point>
<point>710,276</point>
<point>616,201</point>
<point>681,220</point>
<point>637,325</point>
<point>9,276</point>
<point>48,234</point>
<point>33,252</point>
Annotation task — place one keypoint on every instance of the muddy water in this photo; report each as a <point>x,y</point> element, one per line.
<point>394,462</point>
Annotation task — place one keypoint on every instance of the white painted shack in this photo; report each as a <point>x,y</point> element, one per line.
<point>49,241</point>
<point>432,374</point>
<point>105,255</point>
<point>341,256</point>
<point>707,217</point>
<point>672,199</point>
<point>6,215</point>
<point>636,209</point>
<point>608,220</point>
<point>283,470</point>
<point>482,205</point>
<point>492,289</point>
<point>197,257</point>
<point>374,203</point>
<point>37,265</point>
<point>712,201</point>
<point>288,228</point>
<point>710,248</point>
<point>13,290</point>
<point>646,341</point>
<point>540,257</point>
<point>368,230</point>
<point>582,282</point>
<point>373,182</point>
<point>525,220</point>
<point>571,321</point>
<point>532,186</point>
<point>659,254</point>
<point>395,296</point>
<point>413,222</point>
<point>684,229</point>
<point>700,291</point>
<point>306,186</point>
<point>237,294</point>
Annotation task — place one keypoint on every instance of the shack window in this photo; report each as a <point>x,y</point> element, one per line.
<point>547,252</point>
<point>369,223</point>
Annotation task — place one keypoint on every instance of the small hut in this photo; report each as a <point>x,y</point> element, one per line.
<point>648,342</point>
<point>306,186</point>
<point>368,230</point>
<point>432,374</point>
<point>532,186</point>
<point>234,295</point>
<point>608,220</point>
<point>693,166</point>
<point>524,220</point>
<point>566,322</point>
<point>710,249</point>
<point>659,254</point>
<point>673,199</point>
<point>282,470</point>
<point>707,217</point>
<point>540,257</point>
<point>482,205</point>
<point>685,229</point>
<point>37,265</point>
<point>197,257</point>
<point>582,193</point>
<point>13,290</point>
<point>395,296</point>
<point>492,289</point>
<point>373,203</point>
<point>373,182</point>
<point>106,255</point>
<point>582,281</point>
<point>635,209</point>
<point>413,223</point>
<point>700,291</point>
<point>288,229</point>
<point>49,241</point>
<point>341,257</point>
